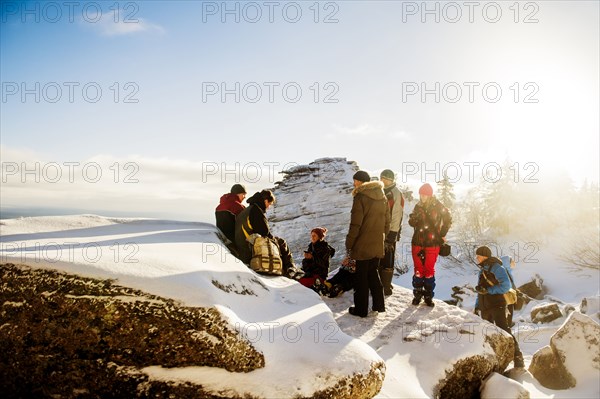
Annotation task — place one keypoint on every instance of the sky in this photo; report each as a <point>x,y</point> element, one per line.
<point>173,102</point>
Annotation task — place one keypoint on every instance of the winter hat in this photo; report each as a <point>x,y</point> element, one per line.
<point>238,189</point>
<point>484,251</point>
<point>362,176</point>
<point>387,174</point>
<point>319,231</point>
<point>426,189</point>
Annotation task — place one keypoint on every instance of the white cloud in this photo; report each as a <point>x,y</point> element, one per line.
<point>107,26</point>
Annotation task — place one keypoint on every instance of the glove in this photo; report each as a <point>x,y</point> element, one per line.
<point>389,247</point>
<point>481,290</point>
<point>476,311</point>
<point>391,236</point>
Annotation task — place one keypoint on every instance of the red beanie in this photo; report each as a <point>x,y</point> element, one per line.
<point>320,232</point>
<point>426,189</point>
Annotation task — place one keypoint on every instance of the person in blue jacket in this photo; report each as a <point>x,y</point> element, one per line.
<point>493,283</point>
<point>508,263</point>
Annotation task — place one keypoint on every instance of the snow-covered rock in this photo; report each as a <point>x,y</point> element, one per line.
<point>447,350</point>
<point>313,195</point>
<point>591,306</point>
<point>545,313</point>
<point>305,355</point>
<point>573,357</point>
<point>497,386</point>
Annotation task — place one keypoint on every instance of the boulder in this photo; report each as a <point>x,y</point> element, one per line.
<point>534,289</point>
<point>63,334</point>
<point>591,306</point>
<point>573,356</point>
<point>545,313</point>
<point>497,386</point>
<point>547,368</point>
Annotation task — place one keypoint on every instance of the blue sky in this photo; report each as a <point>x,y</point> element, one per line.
<point>364,61</point>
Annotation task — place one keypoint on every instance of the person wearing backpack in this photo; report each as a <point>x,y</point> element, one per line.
<point>316,260</point>
<point>369,224</point>
<point>253,220</point>
<point>431,221</point>
<point>508,263</point>
<point>229,207</point>
<point>493,282</point>
<point>396,204</point>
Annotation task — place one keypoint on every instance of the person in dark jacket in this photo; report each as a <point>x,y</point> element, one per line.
<point>342,280</point>
<point>229,207</point>
<point>431,221</point>
<point>369,224</point>
<point>253,220</point>
<point>493,283</point>
<point>316,260</point>
<point>396,205</point>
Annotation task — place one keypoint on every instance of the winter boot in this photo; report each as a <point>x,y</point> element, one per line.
<point>418,290</point>
<point>386,276</point>
<point>335,291</point>
<point>429,286</point>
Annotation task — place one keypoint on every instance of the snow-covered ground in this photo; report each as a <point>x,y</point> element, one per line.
<point>315,337</point>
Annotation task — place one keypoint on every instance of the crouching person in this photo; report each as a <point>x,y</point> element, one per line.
<point>493,283</point>
<point>315,264</point>
<point>253,220</point>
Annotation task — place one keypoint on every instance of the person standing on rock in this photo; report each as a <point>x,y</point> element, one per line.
<point>229,207</point>
<point>369,224</point>
<point>253,220</point>
<point>396,204</point>
<point>492,284</point>
<point>431,221</point>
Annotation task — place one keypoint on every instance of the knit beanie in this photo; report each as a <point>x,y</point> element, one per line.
<point>238,189</point>
<point>484,251</point>
<point>388,174</point>
<point>426,189</point>
<point>362,176</point>
<point>320,232</point>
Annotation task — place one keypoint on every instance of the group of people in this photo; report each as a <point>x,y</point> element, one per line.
<point>368,266</point>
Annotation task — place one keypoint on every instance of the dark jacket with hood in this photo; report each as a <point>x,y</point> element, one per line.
<point>225,214</point>
<point>321,252</point>
<point>369,222</point>
<point>431,222</point>
<point>251,220</point>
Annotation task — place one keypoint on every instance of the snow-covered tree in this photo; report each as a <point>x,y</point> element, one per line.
<point>446,192</point>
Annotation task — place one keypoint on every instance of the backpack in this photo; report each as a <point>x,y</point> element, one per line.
<point>265,255</point>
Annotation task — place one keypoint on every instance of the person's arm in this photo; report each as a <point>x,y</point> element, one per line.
<point>414,219</point>
<point>396,213</point>
<point>259,223</point>
<point>356,220</point>
<point>446,221</point>
<point>503,281</point>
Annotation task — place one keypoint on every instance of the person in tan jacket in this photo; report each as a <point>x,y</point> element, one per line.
<point>369,224</point>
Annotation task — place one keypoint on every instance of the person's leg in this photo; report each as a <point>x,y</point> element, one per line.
<point>285,253</point>
<point>307,281</point>
<point>511,310</point>
<point>386,270</point>
<point>502,322</point>
<point>418,275</point>
<point>361,289</point>
<point>375,286</point>
<point>431,255</point>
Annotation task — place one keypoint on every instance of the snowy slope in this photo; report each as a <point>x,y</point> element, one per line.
<point>303,349</point>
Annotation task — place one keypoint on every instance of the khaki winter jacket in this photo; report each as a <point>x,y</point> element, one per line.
<point>369,222</point>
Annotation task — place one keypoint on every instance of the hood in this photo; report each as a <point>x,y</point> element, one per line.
<point>228,198</point>
<point>372,189</point>
<point>257,200</point>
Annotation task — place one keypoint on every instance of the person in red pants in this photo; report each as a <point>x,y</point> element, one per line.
<point>431,221</point>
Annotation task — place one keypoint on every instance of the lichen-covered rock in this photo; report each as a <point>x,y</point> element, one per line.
<point>545,313</point>
<point>573,356</point>
<point>359,386</point>
<point>61,334</point>
<point>547,368</point>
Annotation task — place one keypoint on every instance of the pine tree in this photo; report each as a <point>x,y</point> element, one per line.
<point>446,192</point>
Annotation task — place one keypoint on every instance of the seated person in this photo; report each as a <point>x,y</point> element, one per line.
<point>316,259</point>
